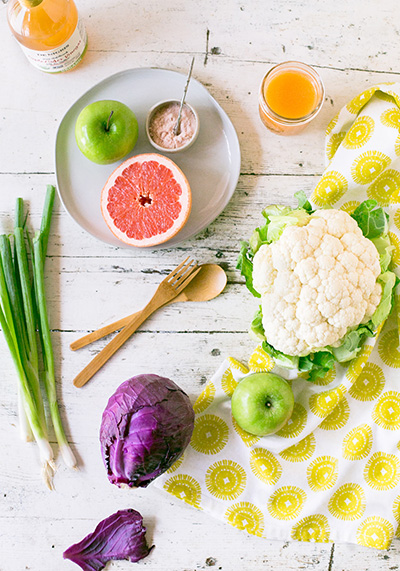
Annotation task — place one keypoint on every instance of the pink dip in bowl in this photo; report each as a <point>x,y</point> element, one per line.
<point>161,123</point>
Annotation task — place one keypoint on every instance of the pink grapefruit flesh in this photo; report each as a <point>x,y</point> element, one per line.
<point>146,200</point>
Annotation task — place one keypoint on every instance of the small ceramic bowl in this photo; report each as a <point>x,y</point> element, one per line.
<point>186,144</point>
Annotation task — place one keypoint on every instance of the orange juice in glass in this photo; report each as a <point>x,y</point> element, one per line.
<point>291,95</point>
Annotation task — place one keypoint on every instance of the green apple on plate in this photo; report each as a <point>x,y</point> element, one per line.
<point>262,403</point>
<point>106,131</point>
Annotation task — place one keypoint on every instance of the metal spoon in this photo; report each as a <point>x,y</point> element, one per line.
<point>208,283</point>
<point>177,128</point>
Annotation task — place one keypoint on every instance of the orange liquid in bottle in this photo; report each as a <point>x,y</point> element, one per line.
<point>291,94</point>
<point>49,32</point>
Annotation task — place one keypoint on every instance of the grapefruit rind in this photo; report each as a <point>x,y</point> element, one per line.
<point>185,201</point>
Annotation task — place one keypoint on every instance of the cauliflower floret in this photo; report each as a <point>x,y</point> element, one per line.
<point>338,222</point>
<point>266,273</point>
<point>316,282</point>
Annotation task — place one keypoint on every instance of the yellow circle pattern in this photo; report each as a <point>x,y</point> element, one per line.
<point>322,473</point>
<point>322,404</point>
<point>204,399</point>
<point>301,451</point>
<point>396,219</point>
<point>384,96</point>
<point>265,466</point>
<point>332,124</point>
<point>175,465</point>
<point>375,532</point>
<point>397,146</point>
<point>326,379</point>
<point>296,422</point>
<point>334,143</point>
<point>237,365</point>
<point>368,166</point>
<point>388,348</point>
<point>369,384</point>
<point>357,443</point>
<point>396,514</point>
<point>385,188</point>
<point>246,516</point>
<point>185,488</point>
<point>330,189</point>
<point>396,509</point>
<point>210,434</point>
<point>350,206</point>
<point>360,100</point>
<point>225,479</point>
<point>360,133</point>
<point>248,439</point>
<point>228,382</point>
<point>348,502</point>
<point>312,528</point>
<point>394,94</point>
<point>357,364</point>
<point>338,417</point>
<point>391,118</point>
<point>386,412</point>
<point>260,361</point>
<point>382,471</point>
<point>286,502</point>
<point>395,242</point>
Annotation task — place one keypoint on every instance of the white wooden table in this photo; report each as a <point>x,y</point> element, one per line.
<point>353,45</point>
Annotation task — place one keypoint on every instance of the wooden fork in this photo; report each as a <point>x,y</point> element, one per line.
<point>170,287</point>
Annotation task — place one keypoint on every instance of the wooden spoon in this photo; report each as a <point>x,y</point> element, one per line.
<point>208,283</point>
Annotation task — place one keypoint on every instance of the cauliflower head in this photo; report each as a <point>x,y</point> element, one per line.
<point>317,282</point>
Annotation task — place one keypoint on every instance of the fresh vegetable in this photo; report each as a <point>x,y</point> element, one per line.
<point>49,378</point>
<point>323,280</point>
<point>121,536</point>
<point>23,319</point>
<point>146,426</point>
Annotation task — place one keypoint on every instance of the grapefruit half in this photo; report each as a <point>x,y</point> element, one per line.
<point>146,200</point>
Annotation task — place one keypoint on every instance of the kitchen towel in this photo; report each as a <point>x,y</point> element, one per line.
<point>332,473</point>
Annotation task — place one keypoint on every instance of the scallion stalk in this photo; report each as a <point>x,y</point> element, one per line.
<point>27,394</point>
<point>24,426</point>
<point>24,320</point>
<point>31,363</point>
<point>14,293</point>
<point>46,218</point>
<point>48,357</point>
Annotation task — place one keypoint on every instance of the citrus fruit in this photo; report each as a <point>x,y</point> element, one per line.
<point>146,200</point>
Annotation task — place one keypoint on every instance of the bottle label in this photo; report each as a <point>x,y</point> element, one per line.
<point>62,58</point>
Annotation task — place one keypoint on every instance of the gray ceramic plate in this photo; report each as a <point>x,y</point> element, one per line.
<point>211,165</point>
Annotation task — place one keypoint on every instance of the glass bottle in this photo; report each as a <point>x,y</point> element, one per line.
<point>49,32</point>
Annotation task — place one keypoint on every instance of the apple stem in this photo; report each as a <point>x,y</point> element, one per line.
<point>108,121</point>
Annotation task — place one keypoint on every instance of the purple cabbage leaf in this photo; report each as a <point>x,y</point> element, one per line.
<point>146,426</point>
<point>119,536</point>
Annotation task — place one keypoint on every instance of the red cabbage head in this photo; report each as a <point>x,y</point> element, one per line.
<point>146,426</point>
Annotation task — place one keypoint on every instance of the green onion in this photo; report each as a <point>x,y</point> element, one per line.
<point>24,321</point>
<point>24,426</point>
<point>31,362</point>
<point>48,357</point>
<point>36,420</point>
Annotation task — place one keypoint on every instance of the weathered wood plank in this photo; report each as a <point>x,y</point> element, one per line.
<point>220,241</point>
